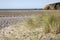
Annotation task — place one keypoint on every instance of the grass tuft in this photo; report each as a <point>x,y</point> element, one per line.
<point>49,22</point>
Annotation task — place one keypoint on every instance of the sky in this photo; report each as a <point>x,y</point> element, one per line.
<point>25,4</point>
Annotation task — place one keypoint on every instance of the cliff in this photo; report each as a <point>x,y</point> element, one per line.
<point>53,6</point>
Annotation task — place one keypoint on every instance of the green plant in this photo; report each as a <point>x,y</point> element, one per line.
<point>49,22</point>
<point>33,22</point>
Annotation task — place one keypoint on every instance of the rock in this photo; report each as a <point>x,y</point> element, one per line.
<point>54,6</point>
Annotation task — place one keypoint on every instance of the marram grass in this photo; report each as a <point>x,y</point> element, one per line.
<point>33,22</point>
<point>50,23</point>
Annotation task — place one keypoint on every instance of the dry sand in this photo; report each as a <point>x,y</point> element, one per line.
<point>10,13</point>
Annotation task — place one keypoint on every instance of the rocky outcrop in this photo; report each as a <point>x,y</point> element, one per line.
<point>54,6</point>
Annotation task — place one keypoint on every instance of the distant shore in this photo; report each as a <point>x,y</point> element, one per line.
<point>22,9</point>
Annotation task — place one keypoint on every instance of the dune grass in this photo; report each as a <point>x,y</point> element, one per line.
<point>50,23</point>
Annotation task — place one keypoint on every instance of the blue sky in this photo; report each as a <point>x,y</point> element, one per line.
<point>23,4</point>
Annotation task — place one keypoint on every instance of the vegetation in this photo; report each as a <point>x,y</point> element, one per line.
<point>49,22</point>
<point>33,22</point>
